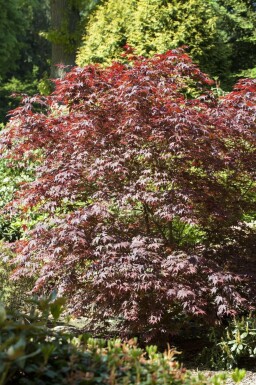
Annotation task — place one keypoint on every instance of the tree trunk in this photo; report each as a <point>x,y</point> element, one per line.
<point>64,21</point>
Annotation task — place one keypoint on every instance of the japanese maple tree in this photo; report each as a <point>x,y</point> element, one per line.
<point>146,187</point>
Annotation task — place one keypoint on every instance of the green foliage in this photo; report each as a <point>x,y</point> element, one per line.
<point>20,70</point>
<point>238,375</point>
<point>21,48</point>
<point>12,25</point>
<point>45,86</point>
<point>11,226</point>
<point>12,89</point>
<point>233,344</point>
<point>151,27</point>
<point>107,32</point>
<point>239,341</point>
<point>250,73</point>
<point>238,21</point>
<point>13,293</point>
<point>34,50</point>
<point>68,34</point>
<point>160,25</point>
<point>219,33</point>
<point>29,349</point>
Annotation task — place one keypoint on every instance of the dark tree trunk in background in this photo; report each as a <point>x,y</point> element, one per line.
<point>63,17</point>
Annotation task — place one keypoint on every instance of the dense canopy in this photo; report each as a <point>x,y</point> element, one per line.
<point>143,193</point>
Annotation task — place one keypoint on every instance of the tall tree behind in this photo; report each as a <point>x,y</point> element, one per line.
<point>64,19</point>
<point>68,19</point>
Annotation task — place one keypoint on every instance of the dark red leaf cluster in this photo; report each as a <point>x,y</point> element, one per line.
<point>145,185</point>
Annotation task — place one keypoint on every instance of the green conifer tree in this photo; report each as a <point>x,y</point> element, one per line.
<point>220,34</point>
<point>107,32</point>
<point>155,26</point>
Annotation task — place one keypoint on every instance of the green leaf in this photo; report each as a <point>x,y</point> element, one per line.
<point>238,375</point>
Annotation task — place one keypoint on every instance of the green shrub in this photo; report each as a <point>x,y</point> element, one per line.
<point>13,175</point>
<point>31,352</point>
<point>233,345</point>
<point>220,33</point>
<point>12,89</point>
<point>154,27</point>
<point>13,293</point>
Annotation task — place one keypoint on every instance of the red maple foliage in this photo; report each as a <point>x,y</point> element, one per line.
<point>145,183</point>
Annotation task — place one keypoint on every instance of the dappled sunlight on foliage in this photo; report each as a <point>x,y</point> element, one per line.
<point>144,186</point>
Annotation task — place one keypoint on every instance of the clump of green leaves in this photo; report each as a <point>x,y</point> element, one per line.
<point>232,345</point>
<point>11,91</point>
<point>13,293</point>
<point>239,341</point>
<point>13,174</point>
